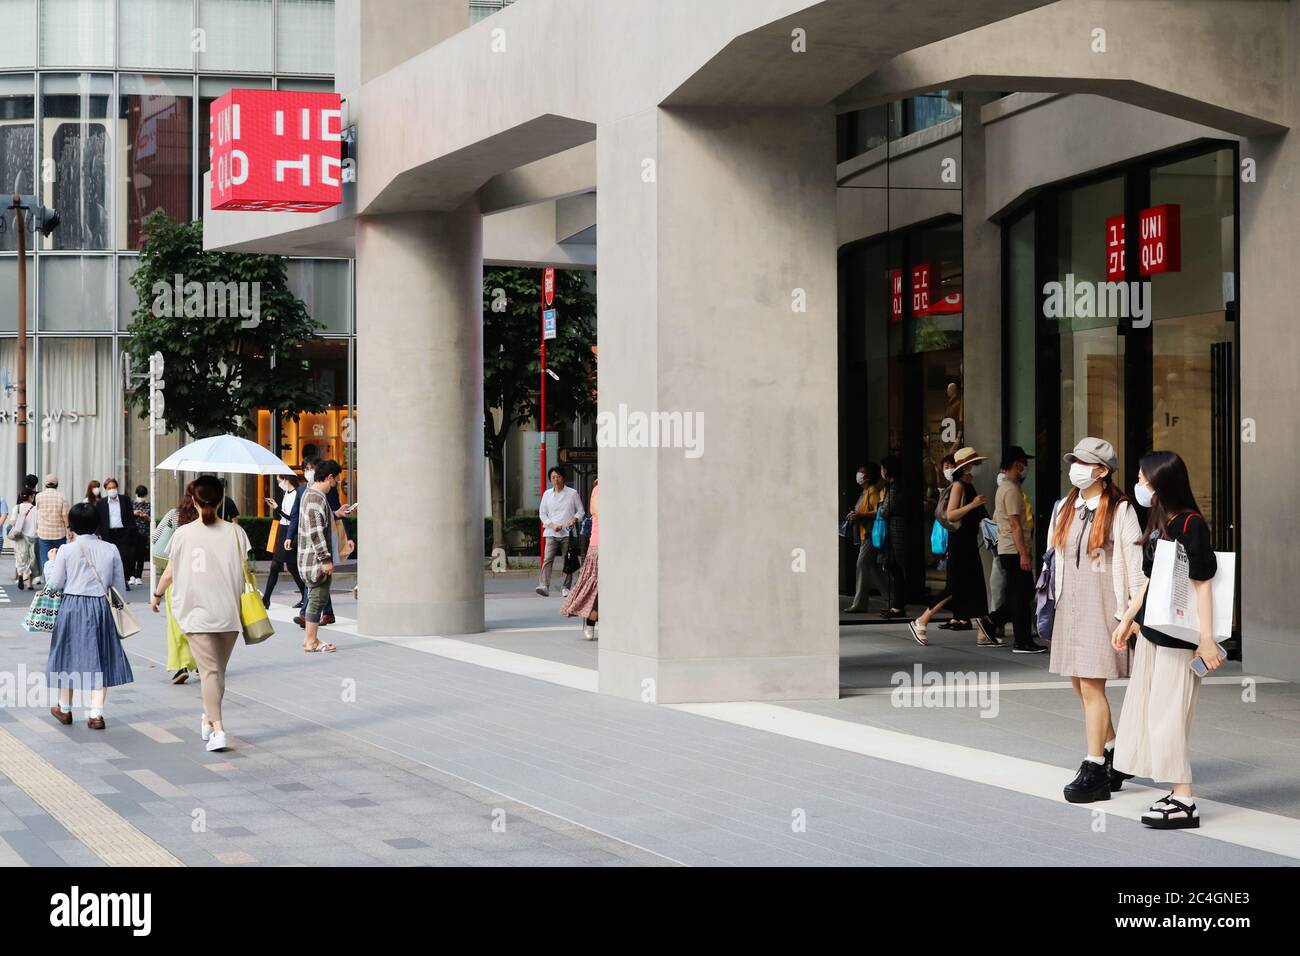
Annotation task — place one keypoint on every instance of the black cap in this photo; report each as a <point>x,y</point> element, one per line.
<point>1013,454</point>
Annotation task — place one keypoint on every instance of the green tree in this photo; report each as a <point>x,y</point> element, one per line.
<point>512,323</point>
<point>219,368</point>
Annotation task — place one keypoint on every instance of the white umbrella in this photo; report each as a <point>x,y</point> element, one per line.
<point>228,453</point>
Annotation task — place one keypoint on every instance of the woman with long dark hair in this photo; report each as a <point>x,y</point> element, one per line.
<point>1097,570</point>
<point>281,556</point>
<point>1156,721</point>
<point>207,565</point>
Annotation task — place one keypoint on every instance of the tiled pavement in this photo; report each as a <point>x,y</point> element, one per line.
<point>437,745</point>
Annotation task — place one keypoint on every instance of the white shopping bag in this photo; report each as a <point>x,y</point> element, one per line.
<point>1171,598</point>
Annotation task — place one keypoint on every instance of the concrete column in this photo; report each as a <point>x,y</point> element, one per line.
<point>419,295</point>
<point>982,294</point>
<point>717,291</point>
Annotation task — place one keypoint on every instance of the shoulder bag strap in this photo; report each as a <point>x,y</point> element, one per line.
<point>95,571</point>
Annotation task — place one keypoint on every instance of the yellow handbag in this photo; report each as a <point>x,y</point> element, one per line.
<point>252,613</point>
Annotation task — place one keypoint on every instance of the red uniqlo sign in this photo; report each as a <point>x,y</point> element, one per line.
<point>922,276</point>
<point>1160,246</point>
<point>1115,249</point>
<point>896,295</point>
<point>276,150</point>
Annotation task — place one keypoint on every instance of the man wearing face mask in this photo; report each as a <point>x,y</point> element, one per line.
<point>116,520</point>
<point>338,510</point>
<point>862,515</point>
<point>1011,515</point>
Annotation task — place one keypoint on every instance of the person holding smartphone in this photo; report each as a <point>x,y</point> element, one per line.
<point>1156,721</point>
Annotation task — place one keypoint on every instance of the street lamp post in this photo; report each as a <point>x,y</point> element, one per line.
<point>46,220</point>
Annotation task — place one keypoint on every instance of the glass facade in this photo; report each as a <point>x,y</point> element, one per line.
<point>104,108</point>
<point>863,130</point>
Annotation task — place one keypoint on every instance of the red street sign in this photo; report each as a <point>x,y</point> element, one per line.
<point>896,295</point>
<point>922,276</point>
<point>1115,249</point>
<point>277,150</point>
<point>1160,244</point>
<point>548,286</point>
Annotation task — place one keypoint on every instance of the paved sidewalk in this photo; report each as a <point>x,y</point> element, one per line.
<point>383,753</point>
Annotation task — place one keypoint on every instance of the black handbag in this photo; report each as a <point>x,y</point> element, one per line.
<point>572,561</point>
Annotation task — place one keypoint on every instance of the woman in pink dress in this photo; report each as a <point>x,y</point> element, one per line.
<point>581,601</point>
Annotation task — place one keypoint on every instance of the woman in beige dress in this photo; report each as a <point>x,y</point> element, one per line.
<point>1097,566</point>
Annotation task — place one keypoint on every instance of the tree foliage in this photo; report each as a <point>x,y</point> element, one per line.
<point>218,369</point>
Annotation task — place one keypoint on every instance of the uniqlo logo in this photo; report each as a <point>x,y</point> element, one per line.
<point>276,150</point>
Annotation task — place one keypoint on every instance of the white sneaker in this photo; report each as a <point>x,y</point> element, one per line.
<point>217,741</point>
<point>543,591</point>
<point>564,592</point>
<point>588,632</point>
<point>205,727</point>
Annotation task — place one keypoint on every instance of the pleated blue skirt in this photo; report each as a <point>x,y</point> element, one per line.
<point>85,651</point>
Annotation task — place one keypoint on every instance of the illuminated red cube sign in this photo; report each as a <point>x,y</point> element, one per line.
<point>1160,246</point>
<point>276,150</point>
<point>896,295</point>
<point>1115,249</point>
<point>922,276</point>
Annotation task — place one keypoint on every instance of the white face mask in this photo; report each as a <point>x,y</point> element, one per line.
<point>947,474</point>
<point>1142,494</point>
<point>286,487</point>
<point>98,492</point>
<point>1081,475</point>
<point>309,474</point>
<point>112,492</point>
<point>862,478</point>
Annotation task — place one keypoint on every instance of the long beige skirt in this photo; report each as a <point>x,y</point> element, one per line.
<point>1157,717</point>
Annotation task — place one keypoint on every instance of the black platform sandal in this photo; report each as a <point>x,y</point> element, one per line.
<point>1170,813</point>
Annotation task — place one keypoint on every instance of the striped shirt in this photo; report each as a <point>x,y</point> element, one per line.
<point>51,515</point>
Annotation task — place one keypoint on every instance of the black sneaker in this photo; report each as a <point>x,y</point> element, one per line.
<point>1116,778</point>
<point>1031,648</point>
<point>1089,785</point>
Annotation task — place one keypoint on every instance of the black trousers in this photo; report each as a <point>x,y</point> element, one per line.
<point>274,575</point>
<point>124,540</point>
<point>1018,607</point>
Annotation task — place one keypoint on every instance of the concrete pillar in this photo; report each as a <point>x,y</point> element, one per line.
<point>1270,354</point>
<point>419,295</point>
<point>717,292</point>
<point>982,294</point>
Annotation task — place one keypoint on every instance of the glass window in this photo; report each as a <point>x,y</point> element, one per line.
<point>76,33</point>
<point>1193,371</point>
<point>9,293</point>
<point>9,409</point>
<point>304,85</point>
<point>76,293</point>
<point>18,38</point>
<point>155,34</point>
<point>76,411</point>
<point>154,162</point>
<point>305,36</point>
<point>235,35</point>
<point>17,147</point>
<point>75,134</point>
<point>1022,322</point>
<point>323,285</point>
<point>127,300</point>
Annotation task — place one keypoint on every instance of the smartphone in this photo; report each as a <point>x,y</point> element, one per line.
<point>1198,666</point>
<point>353,507</point>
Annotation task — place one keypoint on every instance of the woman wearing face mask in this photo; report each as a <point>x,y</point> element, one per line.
<point>1097,560</point>
<point>1156,721</point>
<point>93,492</point>
<point>281,557</point>
<point>862,515</point>
<point>919,626</point>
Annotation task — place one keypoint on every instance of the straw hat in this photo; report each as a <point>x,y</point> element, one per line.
<point>967,456</point>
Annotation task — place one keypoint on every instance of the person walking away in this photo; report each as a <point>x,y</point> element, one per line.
<point>206,563</point>
<point>898,507</point>
<point>180,659</point>
<point>116,521</point>
<point>1014,556</point>
<point>1097,564</point>
<point>582,600</point>
<point>314,547</point>
<point>560,510</point>
<point>868,563</point>
<point>281,556</point>
<point>23,538</point>
<point>51,519</point>
<point>85,648</point>
<point>965,581</point>
<point>1155,723</point>
<point>141,510</point>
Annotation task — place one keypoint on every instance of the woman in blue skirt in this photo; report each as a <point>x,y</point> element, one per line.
<point>85,651</point>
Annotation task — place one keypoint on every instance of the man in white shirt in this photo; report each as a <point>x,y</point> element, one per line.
<point>560,512</point>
